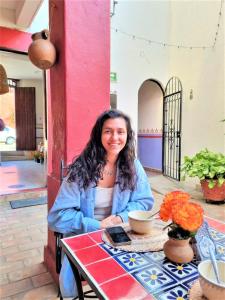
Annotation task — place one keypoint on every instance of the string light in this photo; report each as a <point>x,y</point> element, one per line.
<point>218,24</point>
<point>135,37</point>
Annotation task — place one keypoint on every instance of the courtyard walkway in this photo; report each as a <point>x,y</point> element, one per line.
<point>24,234</point>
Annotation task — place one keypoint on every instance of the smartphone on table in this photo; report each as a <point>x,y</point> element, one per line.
<point>118,236</point>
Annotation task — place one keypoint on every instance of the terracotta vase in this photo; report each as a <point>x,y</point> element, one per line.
<point>42,52</point>
<point>217,193</point>
<point>178,251</point>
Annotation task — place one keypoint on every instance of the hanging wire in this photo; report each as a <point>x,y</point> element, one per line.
<point>218,23</point>
<point>149,41</point>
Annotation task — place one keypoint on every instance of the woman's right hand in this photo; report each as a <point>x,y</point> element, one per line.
<point>110,221</point>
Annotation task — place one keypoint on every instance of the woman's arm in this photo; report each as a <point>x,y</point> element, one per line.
<point>66,216</point>
<point>141,198</point>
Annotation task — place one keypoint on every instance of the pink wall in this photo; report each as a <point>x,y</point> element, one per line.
<point>79,86</point>
<point>14,39</point>
<point>80,81</point>
<point>87,42</point>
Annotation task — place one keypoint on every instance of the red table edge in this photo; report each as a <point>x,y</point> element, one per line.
<point>70,255</point>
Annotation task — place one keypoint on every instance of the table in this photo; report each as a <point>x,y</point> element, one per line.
<point>116,274</point>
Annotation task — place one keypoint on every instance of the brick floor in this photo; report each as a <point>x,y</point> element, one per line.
<point>22,238</point>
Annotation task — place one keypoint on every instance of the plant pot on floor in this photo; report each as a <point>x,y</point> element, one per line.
<point>217,193</point>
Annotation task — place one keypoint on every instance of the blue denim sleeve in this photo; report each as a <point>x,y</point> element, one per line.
<point>67,215</point>
<point>141,198</point>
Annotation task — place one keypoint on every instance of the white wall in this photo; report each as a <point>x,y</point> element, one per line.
<point>203,72</point>
<point>135,60</point>
<point>150,107</point>
<point>173,22</point>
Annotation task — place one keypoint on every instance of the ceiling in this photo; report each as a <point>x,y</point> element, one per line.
<point>12,4</point>
<point>22,12</point>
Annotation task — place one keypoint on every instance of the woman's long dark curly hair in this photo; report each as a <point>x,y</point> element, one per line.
<point>88,166</point>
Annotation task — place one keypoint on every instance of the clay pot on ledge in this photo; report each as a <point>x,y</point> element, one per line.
<point>42,52</point>
<point>178,251</point>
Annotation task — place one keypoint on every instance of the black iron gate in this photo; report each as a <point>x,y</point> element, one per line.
<point>172,109</point>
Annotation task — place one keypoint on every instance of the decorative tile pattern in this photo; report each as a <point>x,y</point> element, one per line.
<point>155,256</point>
<point>132,261</point>
<point>189,282</point>
<point>216,235</point>
<point>111,250</point>
<point>220,249</point>
<point>130,275</point>
<point>177,292</point>
<point>154,278</point>
<point>181,271</point>
<point>210,235</point>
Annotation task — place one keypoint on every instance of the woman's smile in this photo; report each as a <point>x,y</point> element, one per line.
<point>114,135</point>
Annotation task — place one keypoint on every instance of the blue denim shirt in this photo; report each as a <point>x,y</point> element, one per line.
<point>73,212</point>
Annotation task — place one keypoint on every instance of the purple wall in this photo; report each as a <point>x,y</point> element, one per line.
<point>150,150</point>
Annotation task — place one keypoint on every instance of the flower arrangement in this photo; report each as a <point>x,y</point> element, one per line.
<point>186,216</point>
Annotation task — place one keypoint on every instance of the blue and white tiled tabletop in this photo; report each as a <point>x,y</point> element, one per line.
<point>129,275</point>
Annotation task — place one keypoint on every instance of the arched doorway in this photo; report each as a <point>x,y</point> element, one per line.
<point>150,120</point>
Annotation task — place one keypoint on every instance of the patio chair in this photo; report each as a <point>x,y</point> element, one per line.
<point>58,250</point>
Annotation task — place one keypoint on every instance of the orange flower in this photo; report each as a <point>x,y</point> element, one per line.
<point>188,215</point>
<point>169,201</point>
<point>185,214</point>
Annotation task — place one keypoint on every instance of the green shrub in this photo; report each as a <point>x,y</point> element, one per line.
<point>205,165</point>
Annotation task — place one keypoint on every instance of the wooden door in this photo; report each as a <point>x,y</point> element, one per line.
<point>25,118</point>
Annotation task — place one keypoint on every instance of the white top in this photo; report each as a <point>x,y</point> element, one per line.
<point>103,202</point>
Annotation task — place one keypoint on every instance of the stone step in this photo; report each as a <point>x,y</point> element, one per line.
<point>14,157</point>
<point>12,153</point>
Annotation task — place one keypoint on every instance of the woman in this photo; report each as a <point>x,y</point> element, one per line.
<point>104,183</point>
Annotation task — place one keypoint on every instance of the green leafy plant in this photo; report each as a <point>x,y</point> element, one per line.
<point>36,154</point>
<point>205,165</point>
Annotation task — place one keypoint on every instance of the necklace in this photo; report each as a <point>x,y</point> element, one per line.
<point>109,172</point>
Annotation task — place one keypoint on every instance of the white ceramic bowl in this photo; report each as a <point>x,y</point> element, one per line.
<point>210,288</point>
<point>139,222</point>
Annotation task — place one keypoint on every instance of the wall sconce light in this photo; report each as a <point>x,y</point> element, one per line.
<point>191,94</point>
<point>113,5</point>
<point>4,87</point>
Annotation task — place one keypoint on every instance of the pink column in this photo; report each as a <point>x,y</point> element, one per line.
<point>79,86</point>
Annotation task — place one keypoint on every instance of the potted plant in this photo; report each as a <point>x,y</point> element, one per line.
<point>36,156</point>
<point>209,167</point>
<point>41,157</point>
<point>186,218</point>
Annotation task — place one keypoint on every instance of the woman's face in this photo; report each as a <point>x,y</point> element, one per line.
<point>114,136</point>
